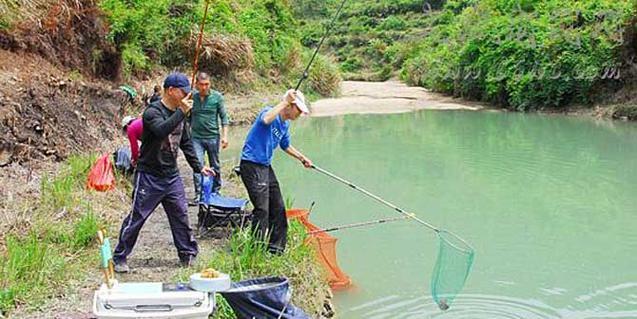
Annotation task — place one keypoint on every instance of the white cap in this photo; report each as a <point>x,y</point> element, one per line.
<point>299,101</point>
<point>126,120</point>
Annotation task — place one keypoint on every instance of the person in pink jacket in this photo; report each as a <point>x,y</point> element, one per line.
<point>133,128</point>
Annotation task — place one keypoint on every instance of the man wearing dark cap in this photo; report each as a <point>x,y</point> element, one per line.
<point>157,178</point>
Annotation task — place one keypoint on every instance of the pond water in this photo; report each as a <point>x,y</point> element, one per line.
<point>548,203</point>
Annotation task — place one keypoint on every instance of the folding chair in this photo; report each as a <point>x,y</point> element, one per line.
<point>219,211</point>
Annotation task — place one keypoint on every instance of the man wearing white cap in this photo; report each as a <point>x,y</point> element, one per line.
<point>270,130</point>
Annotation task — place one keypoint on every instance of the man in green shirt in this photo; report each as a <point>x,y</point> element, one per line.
<point>208,112</point>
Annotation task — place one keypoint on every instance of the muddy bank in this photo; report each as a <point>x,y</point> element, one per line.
<point>48,114</point>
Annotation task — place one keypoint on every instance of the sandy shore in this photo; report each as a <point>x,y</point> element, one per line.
<point>385,97</point>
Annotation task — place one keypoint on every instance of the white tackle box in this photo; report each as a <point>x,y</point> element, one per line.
<point>151,300</point>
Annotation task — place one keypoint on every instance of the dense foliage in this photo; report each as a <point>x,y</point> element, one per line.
<point>523,54</point>
<point>164,32</point>
<point>366,37</point>
<point>160,31</point>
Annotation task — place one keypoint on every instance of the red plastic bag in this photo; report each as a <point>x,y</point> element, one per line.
<point>101,176</point>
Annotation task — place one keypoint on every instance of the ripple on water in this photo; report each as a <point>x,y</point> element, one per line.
<point>475,306</point>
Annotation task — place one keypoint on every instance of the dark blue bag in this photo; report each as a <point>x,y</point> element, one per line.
<point>122,160</point>
<point>267,297</point>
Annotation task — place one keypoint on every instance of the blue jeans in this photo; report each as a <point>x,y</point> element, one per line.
<point>211,147</point>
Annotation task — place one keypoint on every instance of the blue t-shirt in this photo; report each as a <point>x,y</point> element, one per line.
<point>263,139</point>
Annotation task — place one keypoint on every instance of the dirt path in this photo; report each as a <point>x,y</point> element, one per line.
<point>385,97</point>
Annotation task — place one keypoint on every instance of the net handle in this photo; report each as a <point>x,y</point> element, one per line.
<point>394,207</point>
<point>360,224</point>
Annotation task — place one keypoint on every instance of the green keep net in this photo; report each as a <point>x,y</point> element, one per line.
<point>455,258</point>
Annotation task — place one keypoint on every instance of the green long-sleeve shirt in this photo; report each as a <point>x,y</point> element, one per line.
<point>206,115</point>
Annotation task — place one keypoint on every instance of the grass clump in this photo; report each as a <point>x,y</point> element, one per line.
<point>50,246</point>
<point>244,257</point>
<point>624,112</point>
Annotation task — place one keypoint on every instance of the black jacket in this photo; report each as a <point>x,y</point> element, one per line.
<point>164,133</point>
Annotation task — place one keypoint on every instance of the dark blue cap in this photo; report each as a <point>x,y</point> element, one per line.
<point>177,80</point>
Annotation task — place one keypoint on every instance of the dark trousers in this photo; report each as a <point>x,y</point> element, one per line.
<point>149,192</point>
<point>268,217</point>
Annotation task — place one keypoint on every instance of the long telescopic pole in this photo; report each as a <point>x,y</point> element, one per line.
<point>396,208</point>
<point>198,46</point>
<point>327,31</point>
<point>354,225</point>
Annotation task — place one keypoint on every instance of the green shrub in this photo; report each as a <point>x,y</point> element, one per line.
<point>351,64</point>
<point>158,32</point>
<point>526,55</point>
<point>392,23</point>
<point>365,30</point>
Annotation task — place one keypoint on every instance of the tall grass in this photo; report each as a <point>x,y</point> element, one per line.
<point>61,191</point>
<point>43,255</point>
<point>244,257</point>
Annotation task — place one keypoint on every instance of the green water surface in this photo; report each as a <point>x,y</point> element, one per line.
<point>548,203</point>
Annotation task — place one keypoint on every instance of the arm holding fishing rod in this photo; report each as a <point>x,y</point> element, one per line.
<point>299,156</point>
<point>290,108</point>
<point>289,99</point>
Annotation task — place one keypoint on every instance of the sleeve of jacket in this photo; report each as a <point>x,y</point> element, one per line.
<point>222,112</point>
<point>134,147</point>
<point>285,141</point>
<point>189,151</point>
<point>154,121</point>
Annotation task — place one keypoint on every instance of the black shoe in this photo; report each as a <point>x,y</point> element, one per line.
<point>193,202</point>
<point>188,262</point>
<point>277,251</point>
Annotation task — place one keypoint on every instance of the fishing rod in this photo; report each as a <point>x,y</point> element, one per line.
<point>396,208</point>
<point>198,45</point>
<point>354,225</point>
<point>327,31</point>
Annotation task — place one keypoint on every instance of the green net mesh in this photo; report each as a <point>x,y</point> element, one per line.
<point>455,258</point>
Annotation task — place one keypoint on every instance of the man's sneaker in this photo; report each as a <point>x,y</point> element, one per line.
<point>194,202</point>
<point>121,268</point>
<point>188,262</point>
